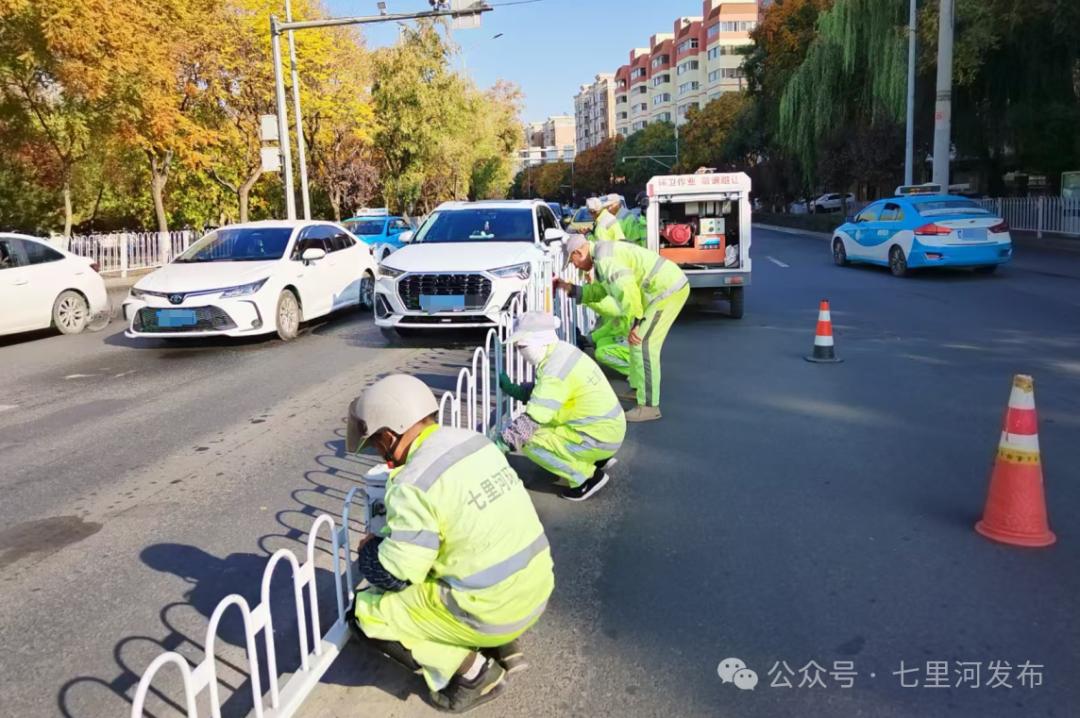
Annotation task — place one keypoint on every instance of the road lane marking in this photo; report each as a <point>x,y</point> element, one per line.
<point>778,263</point>
<point>8,407</point>
<point>79,376</point>
<point>124,373</point>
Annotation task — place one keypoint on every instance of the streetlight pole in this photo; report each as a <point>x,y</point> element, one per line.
<point>459,10</point>
<point>282,120</point>
<point>301,153</point>
<point>943,104</point>
<point>909,155</point>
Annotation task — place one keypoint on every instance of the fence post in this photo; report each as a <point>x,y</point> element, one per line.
<point>1040,205</point>
<point>124,254</point>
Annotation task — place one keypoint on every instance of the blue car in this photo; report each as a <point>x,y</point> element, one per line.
<point>381,231</point>
<point>921,227</point>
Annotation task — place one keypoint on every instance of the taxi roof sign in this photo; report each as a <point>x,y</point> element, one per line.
<point>915,189</point>
<point>373,212</point>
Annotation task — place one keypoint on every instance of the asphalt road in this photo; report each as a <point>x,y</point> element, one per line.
<point>781,512</point>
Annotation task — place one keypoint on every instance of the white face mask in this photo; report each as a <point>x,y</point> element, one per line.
<point>533,353</point>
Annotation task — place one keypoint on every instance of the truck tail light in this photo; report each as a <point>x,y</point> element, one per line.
<point>932,230</point>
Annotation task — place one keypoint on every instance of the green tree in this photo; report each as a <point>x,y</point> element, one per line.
<point>708,137</point>
<point>656,143</point>
<point>595,170</point>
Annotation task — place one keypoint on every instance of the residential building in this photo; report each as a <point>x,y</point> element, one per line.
<point>549,141</point>
<point>594,111</point>
<point>689,67</point>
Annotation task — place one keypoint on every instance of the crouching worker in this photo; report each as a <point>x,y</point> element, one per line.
<point>609,338</point>
<point>463,566</point>
<point>573,423</point>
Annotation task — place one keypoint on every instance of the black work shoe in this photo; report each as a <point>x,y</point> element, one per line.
<point>462,695</point>
<point>397,653</point>
<point>509,656</point>
<point>606,463</point>
<point>587,489</point>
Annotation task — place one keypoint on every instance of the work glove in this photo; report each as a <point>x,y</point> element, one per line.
<point>519,431</point>
<point>521,392</point>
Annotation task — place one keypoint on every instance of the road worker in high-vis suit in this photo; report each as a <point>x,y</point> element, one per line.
<point>462,567</point>
<point>609,337</point>
<point>573,423</point>
<point>604,211</point>
<point>650,290</point>
<point>635,224</point>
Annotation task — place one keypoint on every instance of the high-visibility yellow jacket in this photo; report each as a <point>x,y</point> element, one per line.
<point>459,515</point>
<point>636,277</point>
<point>635,229</point>
<point>571,390</point>
<point>608,228</point>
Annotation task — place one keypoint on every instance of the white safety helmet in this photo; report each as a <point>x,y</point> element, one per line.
<point>594,205</point>
<point>536,329</point>
<point>395,403</point>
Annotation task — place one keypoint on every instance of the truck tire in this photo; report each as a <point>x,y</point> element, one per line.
<point>736,303</point>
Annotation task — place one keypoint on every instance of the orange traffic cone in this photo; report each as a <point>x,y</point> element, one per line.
<point>1016,506</point>
<point>824,351</point>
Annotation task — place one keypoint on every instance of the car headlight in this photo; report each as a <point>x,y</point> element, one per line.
<point>137,293</point>
<point>390,272</point>
<point>243,290</point>
<point>521,271</point>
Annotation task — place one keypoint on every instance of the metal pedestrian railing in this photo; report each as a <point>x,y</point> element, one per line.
<point>476,403</point>
<point>120,252</point>
<point>1055,215</point>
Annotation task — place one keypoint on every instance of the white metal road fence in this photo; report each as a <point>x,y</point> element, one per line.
<point>119,252</point>
<point>471,405</point>
<point>1038,214</point>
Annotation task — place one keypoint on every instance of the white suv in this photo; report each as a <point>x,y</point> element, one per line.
<point>832,202</point>
<point>464,265</point>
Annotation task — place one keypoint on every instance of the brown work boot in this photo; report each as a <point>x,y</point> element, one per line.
<point>623,390</point>
<point>643,413</point>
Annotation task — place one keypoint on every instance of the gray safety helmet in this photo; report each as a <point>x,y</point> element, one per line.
<point>395,403</point>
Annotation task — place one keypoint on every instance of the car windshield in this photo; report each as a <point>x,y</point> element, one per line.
<point>583,215</point>
<point>948,206</point>
<point>246,244</point>
<point>477,225</point>
<point>365,227</point>
<point>555,208</point>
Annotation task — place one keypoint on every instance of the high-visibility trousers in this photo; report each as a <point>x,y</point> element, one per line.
<point>417,618</point>
<point>645,357</point>
<point>612,349</point>
<point>568,454</point>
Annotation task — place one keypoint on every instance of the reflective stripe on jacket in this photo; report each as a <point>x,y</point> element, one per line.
<point>634,276</point>
<point>458,514</point>
<point>571,390</point>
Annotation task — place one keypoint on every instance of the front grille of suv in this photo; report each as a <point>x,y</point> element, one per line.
<point>476,288</point>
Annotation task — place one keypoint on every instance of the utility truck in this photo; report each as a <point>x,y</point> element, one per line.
<point>702,223</point>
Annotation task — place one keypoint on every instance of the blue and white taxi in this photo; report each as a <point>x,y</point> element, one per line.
<point>921,227</point>
<point>379,230</point>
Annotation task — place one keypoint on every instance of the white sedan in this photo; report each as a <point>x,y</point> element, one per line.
<point>254,278</point>
<point>42,286</point>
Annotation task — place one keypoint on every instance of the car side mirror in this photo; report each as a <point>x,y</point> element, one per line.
<point>566,220</point>
<point>552,235</point>
<point>406,236</point>
<point>312,254</point>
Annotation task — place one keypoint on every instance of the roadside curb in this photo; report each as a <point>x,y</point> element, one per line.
<point>791,230</point>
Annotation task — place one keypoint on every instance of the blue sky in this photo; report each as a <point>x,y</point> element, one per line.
<point>549,48</point>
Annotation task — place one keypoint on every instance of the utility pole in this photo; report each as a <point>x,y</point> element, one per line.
<point>943,104</point>
<point>465,14</point>
<point>282,120</point>
<point>301,153</point>
<point>909,156</point>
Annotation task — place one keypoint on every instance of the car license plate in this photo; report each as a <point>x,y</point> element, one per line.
<point>971,235</point>
<point>176,318</point>
<point>433,304</point>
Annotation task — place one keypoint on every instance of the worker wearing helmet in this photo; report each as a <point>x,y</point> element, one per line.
<point>635,224</point>
<point>573,423</point>
<point>463,566</point>
<point>606,226</point>
<point>650,290</point>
